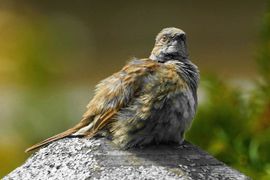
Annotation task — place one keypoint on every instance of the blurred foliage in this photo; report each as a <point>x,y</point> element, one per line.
<point>234,128</point>
<point>234,125</point>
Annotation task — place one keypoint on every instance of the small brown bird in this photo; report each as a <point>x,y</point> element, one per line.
<point>150,100</point>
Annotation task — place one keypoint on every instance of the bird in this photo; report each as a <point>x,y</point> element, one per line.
<point>150,100</point>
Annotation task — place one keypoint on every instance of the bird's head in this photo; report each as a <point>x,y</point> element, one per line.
<point>170,44</point>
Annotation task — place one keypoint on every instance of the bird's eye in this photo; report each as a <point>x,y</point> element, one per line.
<point>164,38</point>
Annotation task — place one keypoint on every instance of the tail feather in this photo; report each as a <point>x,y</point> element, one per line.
<point>58,136</point>
<point>51,139</point>
<point>83,128</point>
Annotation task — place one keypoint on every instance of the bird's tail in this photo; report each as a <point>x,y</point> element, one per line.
<point>51,139</point>
<point>69,132</point>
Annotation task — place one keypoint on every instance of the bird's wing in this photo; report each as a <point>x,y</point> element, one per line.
<point>115,92</point>
<point>162,93</point>
<point>111,94</point>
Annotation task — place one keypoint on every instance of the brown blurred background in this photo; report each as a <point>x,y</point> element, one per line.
<point>52,53</point>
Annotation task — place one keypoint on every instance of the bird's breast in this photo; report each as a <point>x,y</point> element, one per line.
<point>174,117</point>
<point>161,110</point>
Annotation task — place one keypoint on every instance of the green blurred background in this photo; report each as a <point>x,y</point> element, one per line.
<point>52,53</point>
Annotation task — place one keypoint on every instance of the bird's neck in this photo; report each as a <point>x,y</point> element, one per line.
<point>158,55</point>
<point>166,57</point>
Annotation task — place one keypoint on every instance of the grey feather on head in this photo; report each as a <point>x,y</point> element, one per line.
<point>170,44</point>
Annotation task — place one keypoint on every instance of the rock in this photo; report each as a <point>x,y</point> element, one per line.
<point>76,158</point>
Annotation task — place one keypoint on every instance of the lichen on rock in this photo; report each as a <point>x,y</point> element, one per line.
<point>77,158</point>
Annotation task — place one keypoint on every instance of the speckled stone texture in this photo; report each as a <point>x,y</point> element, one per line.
<point>75,158</point>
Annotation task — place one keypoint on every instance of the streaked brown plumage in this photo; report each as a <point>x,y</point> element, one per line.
<point>149,100</point>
